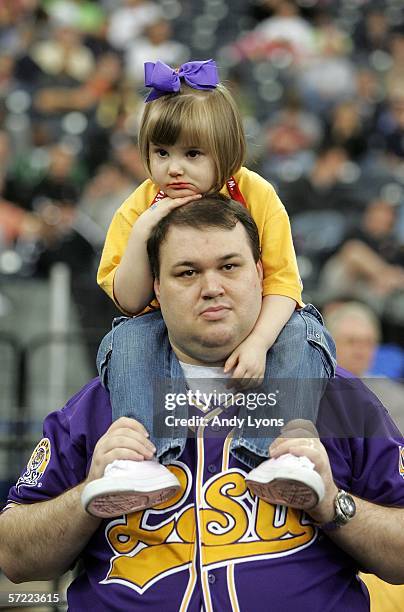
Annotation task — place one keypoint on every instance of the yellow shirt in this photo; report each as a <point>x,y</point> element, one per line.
<point>281,275</point>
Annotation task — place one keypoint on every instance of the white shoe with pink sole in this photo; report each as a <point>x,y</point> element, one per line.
<point>129,486</point>
<point>287,480</point>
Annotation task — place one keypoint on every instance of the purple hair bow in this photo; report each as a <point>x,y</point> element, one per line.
<point>164,79</point>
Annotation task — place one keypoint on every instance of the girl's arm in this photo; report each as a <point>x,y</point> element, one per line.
<point>249,358</point>
<point>133,281</point>
<point>276,311</point>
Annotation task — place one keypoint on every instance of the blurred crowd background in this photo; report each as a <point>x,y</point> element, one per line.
<point>320,84</point>
<point>321,87</point>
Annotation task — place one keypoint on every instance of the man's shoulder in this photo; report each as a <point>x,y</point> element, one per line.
<point>88,412</point>
<point>91,392</point>
<point>349,409</point>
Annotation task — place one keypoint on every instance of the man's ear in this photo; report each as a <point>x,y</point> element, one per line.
<point>156,286</point>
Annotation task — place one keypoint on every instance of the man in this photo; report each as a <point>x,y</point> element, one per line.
<point>357,334</point>
<point>214,545</point>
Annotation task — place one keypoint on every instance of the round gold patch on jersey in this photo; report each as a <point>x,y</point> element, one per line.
<point>37,464</point>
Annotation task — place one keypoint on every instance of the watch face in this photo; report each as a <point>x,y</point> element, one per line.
<point>347,505</point>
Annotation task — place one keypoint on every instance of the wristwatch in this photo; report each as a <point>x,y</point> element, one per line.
<point>345,510</point>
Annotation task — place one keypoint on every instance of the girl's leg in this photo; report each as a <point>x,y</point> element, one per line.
<point>299,366</point>
<point>130,362</point>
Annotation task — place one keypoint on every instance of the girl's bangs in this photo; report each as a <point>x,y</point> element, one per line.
<point>186,124</point>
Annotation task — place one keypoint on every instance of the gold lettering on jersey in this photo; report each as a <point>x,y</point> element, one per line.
<point>234,526</point>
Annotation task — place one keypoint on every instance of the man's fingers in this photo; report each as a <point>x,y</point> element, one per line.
<point>128,442</point>
<point>306,427</point>
<point>309,447</point>
<point>126,439</point>
<point>129,423</point>
<point>124,454</point>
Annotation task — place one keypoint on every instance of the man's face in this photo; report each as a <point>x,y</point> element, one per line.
<point>210,291</point>
<point>356,342</point>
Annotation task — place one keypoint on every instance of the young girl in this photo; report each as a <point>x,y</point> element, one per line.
<point>192,142</point>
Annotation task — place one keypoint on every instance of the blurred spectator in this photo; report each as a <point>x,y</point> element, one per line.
<point>129,21</point>
<point>59,182</point>
<point>395,74</point>
<point>369,93</point>
<point>370,264</point>
<point>330,76</point>
<point>84,15</point>
<point>372,33</point>
<point>7,78</point>
<point>17,18</point>
<point>346,129</point>
<point>390,125</point>
<point>357,334</point>
<point>290,134</point>
<point>104,194</point>
<point>126,154</point>
<point>155,44</point>
<point>5,153</point>
<point>61,236</point>
<point>12,221</point>
<point>285,33</point>
<point>323,187</point>
<point>60,59</point>
<point>85,97</point>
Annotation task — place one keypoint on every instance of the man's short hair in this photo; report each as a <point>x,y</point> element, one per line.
<point>211,211</point>
<point>353,311</point>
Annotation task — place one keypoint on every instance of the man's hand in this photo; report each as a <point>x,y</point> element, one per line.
<point>300,437</point>
<point>248,363</point>
<point>160,209</point>
<point>125,439</point>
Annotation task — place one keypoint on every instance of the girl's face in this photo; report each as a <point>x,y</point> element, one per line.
<point>182,170</point>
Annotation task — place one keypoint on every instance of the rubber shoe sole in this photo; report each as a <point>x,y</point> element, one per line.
<point>110,497</point>
<point>303,489</point>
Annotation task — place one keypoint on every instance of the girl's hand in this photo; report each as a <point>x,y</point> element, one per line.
<point>248,363</point>
<point>151,217</point>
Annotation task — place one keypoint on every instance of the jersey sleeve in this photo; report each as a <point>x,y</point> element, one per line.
<point>54,465</point>
<point>61,459</point>
<point>281,274</point>
<point>118,235</point>
<point>367,455</point>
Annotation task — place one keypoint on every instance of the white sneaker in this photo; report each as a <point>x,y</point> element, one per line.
<point>129,486</point>
<point>287,480</point>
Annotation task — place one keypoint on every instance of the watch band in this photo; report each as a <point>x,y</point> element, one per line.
<point>345,510</point>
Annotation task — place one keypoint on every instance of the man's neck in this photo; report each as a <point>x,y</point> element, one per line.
<point>184,357</point>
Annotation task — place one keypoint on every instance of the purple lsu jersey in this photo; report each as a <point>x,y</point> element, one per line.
<point>214,546</point>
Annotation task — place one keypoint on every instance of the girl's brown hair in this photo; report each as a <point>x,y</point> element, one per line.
<point>206,119</point>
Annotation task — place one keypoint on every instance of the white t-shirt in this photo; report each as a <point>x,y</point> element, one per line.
<point>210,382</point>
